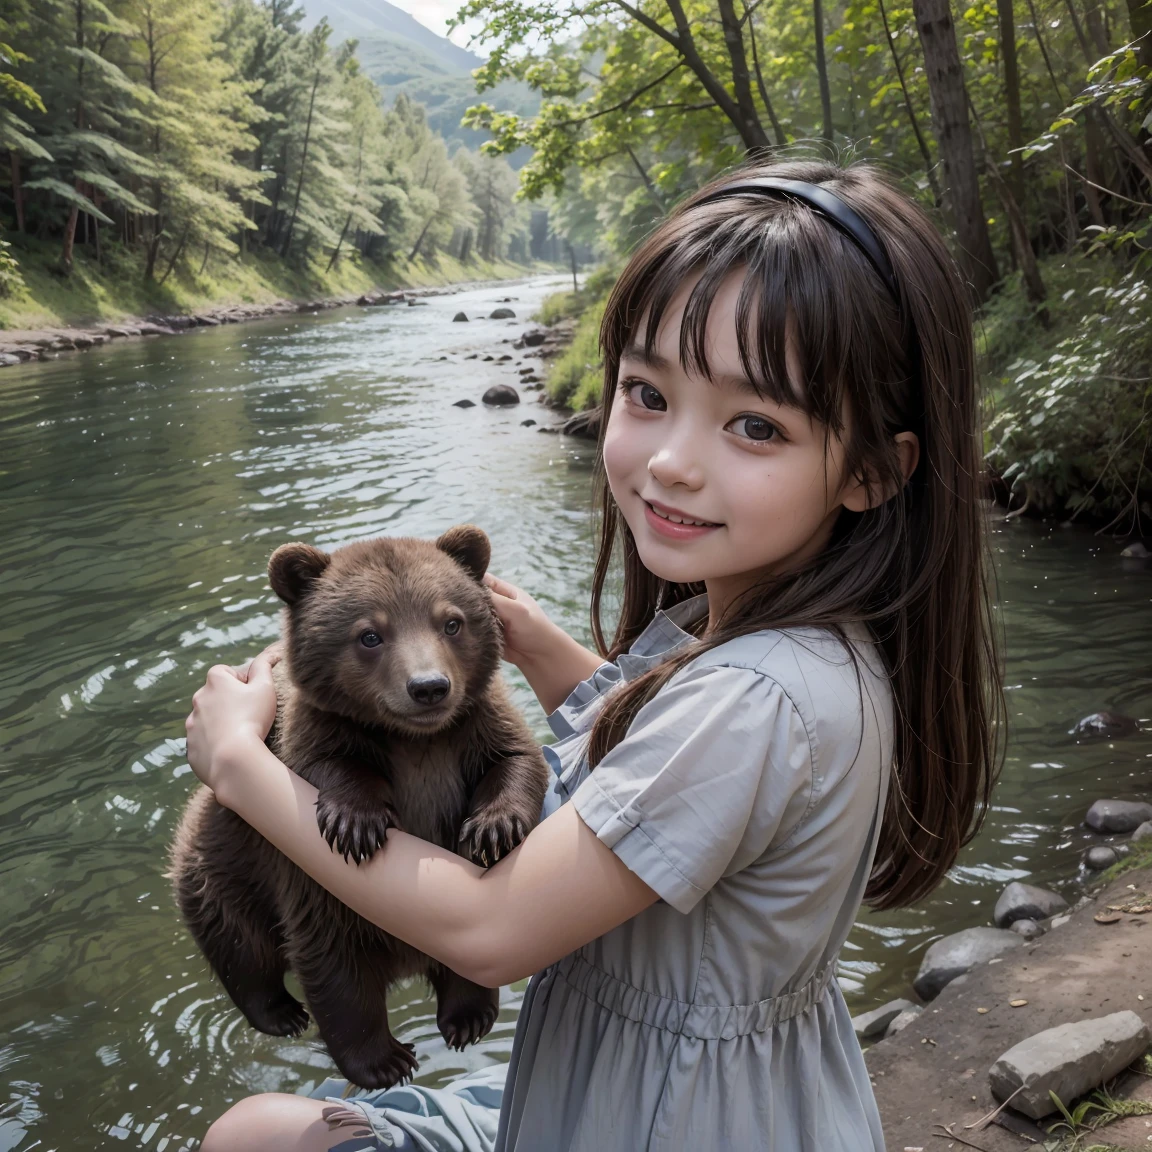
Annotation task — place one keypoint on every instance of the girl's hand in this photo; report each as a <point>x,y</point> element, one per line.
<point>529,635</point>
<point>235,709</point>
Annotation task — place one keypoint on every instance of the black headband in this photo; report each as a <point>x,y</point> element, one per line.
<point>828,204</point>
<point>840,213</point>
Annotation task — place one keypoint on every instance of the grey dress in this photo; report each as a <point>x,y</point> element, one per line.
<point>747,793</point>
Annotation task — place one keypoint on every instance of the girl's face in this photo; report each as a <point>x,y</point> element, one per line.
<point>717,484</point>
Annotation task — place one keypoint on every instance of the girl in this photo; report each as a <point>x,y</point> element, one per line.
<point>796,710</point>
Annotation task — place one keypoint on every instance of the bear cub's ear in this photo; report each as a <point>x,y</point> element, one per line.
<point>469,547</point>
<point>294,568</point>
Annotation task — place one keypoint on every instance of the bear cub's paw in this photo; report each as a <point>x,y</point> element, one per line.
<point>492,832</point>
<point>466,1023</point>
<point>354,832</point>
<point>282,1015</point>
<point>383,1066</point>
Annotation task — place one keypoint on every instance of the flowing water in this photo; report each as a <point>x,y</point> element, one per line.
<point>142,489</point>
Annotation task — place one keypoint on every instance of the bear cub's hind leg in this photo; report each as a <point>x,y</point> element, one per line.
<point>465,1012</point>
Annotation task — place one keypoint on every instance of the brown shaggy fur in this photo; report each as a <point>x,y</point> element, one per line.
<point>391,703</point>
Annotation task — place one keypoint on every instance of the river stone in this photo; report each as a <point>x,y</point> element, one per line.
<point>903,1020</point>
<point>871,1025</point>
<point>1026,929</point>
<point>585,424</point>
<point>501,314</point>
<point>1102,856</point>
<point>1144,832</point>
<point>1118,815</point>
<point>1069,1060</point>
<point>527,423</point>
<point>960,953</point>
<point>1026,902</point>
<point>459,316</point>
<point>1136,551</point>
<point>1106,724</point>
<point>464,404</point>
<point>534,337</point>
<point>501,395</point>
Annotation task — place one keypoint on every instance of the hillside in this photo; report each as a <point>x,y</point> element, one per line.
<point>401,55</point>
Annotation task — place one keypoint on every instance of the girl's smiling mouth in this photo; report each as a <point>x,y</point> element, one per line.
<point>673,523</point>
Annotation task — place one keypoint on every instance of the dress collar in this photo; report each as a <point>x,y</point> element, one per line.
<point>663,635</point>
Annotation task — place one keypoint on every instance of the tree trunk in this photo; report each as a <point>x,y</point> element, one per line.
<point>336,250</point>
<point>1140,17</point>
<point>1007,21</point>
<point>822,68</point>
<point>420,238</point>
<point>69,238</point>
<point>954,133</point>
<point>777,127</point>
<point>175,257</point>
<point>17,190</point>
<point>303,165</point>
<point>929,166</point>
<point>733,29</point>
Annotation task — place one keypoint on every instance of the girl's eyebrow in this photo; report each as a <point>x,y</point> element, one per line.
<point>653,359</point>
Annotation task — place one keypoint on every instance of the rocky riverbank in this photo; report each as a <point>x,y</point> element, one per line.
<point>19,346</point>
<point>1048,998</point>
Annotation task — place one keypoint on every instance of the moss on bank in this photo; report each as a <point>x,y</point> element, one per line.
<point>117,288</point>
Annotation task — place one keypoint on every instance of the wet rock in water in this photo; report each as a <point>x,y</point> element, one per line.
<point>459,316</point>
<point>464,404</point>
<point>501,314</point>
<point>534,337</point>
<point>960,953</point>
<point>489,357</point>
<point>417,303</point>
<point>870,1025</point>
<point>7,360</point>
<point>1144,832</point>
<point>527,423</point>
<point>1026,902</point>
<point>1118,815</point>
<point>506,356</point>
<point>585,424</point>
<point>903,1020</point>
<point>1103,856</point>
<point>1027,929</point>
<point>1068,1060</point>
<point>501,396</point>
<point>1111,725</point>
<point>1136,551</point>
<point>548,428</point>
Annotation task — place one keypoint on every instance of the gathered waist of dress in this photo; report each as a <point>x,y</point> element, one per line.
<point>684,1018</point>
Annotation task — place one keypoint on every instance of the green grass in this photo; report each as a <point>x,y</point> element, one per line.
<point>117,289</point>
<point>1139,856</point>
<point>1075,1132</point>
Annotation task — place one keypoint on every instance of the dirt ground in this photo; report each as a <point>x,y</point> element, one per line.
<point>933,1075</point>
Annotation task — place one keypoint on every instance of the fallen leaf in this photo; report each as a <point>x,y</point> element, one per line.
<point>1017,1003</point>
<point>982,1011</point>
<point>1107,917</point>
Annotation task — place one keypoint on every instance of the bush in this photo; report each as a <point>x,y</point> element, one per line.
<point>11,279</point>
<point>1069,425</point>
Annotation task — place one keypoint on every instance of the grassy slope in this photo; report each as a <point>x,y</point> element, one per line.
<point>119,290</point>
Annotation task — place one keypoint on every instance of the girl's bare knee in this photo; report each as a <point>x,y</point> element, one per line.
<point>271,1122</point>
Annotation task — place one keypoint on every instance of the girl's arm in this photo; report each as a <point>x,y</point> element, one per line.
<point>551,661</point>
<point>558,890</point>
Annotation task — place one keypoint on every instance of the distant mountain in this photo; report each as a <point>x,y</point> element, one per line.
<point>401,55</point>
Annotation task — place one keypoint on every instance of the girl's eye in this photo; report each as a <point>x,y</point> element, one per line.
<point>644,395</point>
<point>452,627</point>
<point>370,639</point>
<point>757,428</point>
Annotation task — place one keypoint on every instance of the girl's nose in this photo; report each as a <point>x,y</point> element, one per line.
<point>677,462</point>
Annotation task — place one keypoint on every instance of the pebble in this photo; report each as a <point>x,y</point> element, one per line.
<point>1028,929</point>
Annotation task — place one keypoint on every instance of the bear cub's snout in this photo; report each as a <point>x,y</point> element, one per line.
<point>389,701</point>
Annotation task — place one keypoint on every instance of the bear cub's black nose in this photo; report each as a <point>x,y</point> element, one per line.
<point>428,690</point>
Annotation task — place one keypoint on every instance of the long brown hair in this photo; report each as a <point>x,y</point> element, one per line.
<point>914,568</point>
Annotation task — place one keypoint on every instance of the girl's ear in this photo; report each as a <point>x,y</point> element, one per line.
<point>862,492</point>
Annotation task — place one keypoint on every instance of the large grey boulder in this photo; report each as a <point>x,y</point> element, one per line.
<point>501,314</point>
<point>960,953</point>
<point>904,1019</point>
<point>459,316</point>
<point>1026,902</point>
<point>1069,1060</point>
<point>1118,815</point>
<point>869,1025</point>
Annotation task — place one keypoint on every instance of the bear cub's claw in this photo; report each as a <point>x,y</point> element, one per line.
<point>470,1023</point>
<point>396,1064</point>
<point>487,835</point>
<point>285,1016</point>
<point>355,833</point>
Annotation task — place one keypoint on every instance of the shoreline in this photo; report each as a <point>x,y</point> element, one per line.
<point>931,1078</point>
<point>27,345</point>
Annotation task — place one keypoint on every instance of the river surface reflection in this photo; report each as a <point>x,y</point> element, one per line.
<point>142,489</point>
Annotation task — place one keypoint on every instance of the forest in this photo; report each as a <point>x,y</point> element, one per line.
<point>164,135</point>
<point>1022,124</point>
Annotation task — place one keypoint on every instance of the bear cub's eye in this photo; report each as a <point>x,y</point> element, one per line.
<point>452,627</point>
<point>370,639</point>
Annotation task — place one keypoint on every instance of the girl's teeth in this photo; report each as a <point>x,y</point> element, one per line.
<point>678,520</point>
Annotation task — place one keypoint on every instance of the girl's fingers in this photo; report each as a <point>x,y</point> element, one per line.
<point>500,587</point>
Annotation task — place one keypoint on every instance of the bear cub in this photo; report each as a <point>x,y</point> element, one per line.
<point>389,701</point>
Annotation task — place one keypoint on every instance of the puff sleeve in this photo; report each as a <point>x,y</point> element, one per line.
<point>714,771</point>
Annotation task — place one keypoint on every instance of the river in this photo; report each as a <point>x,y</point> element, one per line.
<point>143,487</point>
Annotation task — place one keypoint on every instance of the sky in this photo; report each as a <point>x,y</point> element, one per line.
<point>434,14</point>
